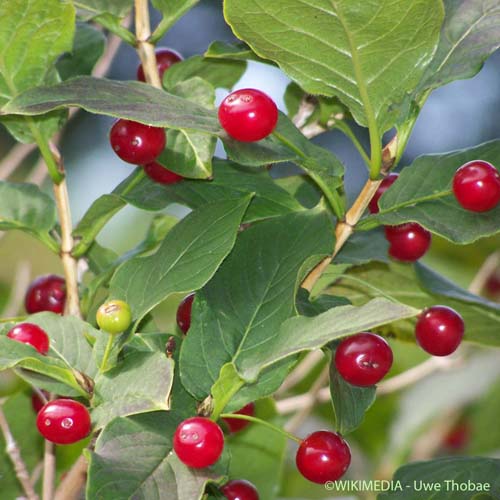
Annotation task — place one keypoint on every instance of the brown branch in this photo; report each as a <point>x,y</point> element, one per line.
<point>15,457</point>
<point>300,371</point>
<point>73,482</point>
<point>49,470</point>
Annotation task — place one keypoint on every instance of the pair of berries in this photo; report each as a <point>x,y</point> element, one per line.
<point>46,293</point>
<point>322,456</point>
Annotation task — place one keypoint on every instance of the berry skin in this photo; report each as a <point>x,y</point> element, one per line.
<point>114,316</point>
<point>184,313</point>
<point>323,456</point>
<point>63,421</point>
<point>407,242</point>
<point>384,186</point>
<point>31,334</point>
<point>492,285</point>
<point>46,293</point>
<point>164,59</point>
<point>160,174</point>
<point>135,142</point>
<point>198,442</point>
<point>476,186</point>
<point>363,359</point>
<point>239,489</point>
<point>236,424</point>
<point>37,402</point>
<point>10,383</point>
<point>248,115</point>
<point>458,437</point>
<point>439,330</point>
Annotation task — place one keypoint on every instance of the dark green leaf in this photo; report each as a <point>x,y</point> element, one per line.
<point>327,48</point>
<point>132,100</point>
<point>33,33</point>
<point>446,472</point>
<point>238,51</point>
<point>364,247</point>
<point>423,194</point>
<point>240,310</point>
<point>307,307</point>
<point>92,8</point>
<point>88,47</point>
<point>204,237</point>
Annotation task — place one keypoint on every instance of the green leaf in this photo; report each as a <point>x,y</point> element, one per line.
<point>35,33</point>
<point>132,459</point>
<point>172,11</point>
<point>422,194</point>
<point>190,153</point>
<point>205,236</point>
<point>469,35</point>
<point>470,472</point>
<point>88,47</point>
<point>26,207</point>
<point>327,48</point>
<point>258,452</point>
<point>132,100</point>
<point>221,73</point>
<point>364,247</point>
<point>421,288</point>
<point>240,310</point>
<point>310,308</point>
<point>93,8</point>
<point>140,383</point>
<point>349,402</point>
<point>238,51</point>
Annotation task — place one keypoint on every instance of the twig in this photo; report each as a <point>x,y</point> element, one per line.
<point>15,457</point>
<point>72,484</point>
<point>306,109</point>
<point>36,473</point>
<point>485,271</point>
<point>49,470</point>
<point>19,284</point>
<point>300,371</point>
<point>13,158</point>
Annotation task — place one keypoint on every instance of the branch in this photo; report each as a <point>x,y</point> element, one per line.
<point>15,457</point>
<point>300,371</point>
<point>485,271</point>
<point>49,470</point>
<point>73,482</point>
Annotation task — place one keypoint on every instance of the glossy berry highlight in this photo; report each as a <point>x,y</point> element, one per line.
<point>198,442</point>
<point>476,186</point>
<point>161,175</point>
<point>46,293</point>
<point>135,142</point>
<point>323,456</point>
<point>439,330</point>
<point>239,489</point>
<point>237,424</point>
<point>31,334</point>
<point>165,57</point>
<point>408,242</point>
<point>248,115</point>
<point>114,316</point>
<point>63,421</point>
<point>363,359</point>
<point>183,316</point>
<point>384,186</point>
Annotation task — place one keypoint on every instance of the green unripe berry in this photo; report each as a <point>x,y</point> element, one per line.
<point>10,383</point>
<point>114,316</point>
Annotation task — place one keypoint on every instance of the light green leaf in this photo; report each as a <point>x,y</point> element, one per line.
<point>189,153</point>
<point>132,459</point>
<point>443,473</point>
<point>241,309</point>
<point>204,237</point>
<point>132,100</point>
<point>93,8</point>
<point>369,57</point>
<point>422,194</point>
<point>33,33</point>
<point>238,51</point>
<point>140,383</point>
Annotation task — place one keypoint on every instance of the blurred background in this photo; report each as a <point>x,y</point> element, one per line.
<point>459,115</point>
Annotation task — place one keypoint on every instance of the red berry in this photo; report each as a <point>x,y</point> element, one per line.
<point>492,285</point>
<point>236,424</point>
<point>63,421</point>
<point>184,312</point>
<point>384,186</point>
<point>46,293</point>
<point>31,334</point>
<point>135,142</point>
<point>458,437</point>
<point>164,59</point>
<point>323,456</point>
<point>248,115</point>
<point>160,174</point>
<point>363,359</point>
<point>407,242</point>
<point>240,489</point>
<point>476,186</point>
<point>439,330</point>
<point>198,442</point>
<point>37,402</point>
